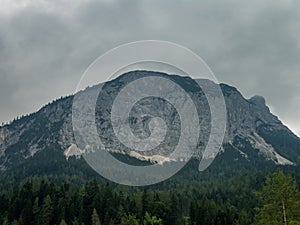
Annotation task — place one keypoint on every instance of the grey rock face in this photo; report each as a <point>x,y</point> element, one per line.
<point>51,127</point>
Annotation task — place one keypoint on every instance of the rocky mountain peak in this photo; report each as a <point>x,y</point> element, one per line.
<point>258,100</point>
<point>250,124</point>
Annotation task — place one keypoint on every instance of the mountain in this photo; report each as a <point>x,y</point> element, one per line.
<point>36,143</point>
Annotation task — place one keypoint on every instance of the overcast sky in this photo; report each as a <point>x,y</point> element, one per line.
<point>45,46</point>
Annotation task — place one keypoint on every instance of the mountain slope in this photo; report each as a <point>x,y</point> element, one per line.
<point>252,133</point>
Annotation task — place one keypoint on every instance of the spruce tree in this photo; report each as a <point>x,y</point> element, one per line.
<point>95,218</point>
<point>46,211</point>
<point>63,222</point>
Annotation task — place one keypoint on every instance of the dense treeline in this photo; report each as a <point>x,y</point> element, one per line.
<point>39,202</point>
<point>63,193</point>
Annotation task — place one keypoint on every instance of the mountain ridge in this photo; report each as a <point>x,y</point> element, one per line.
<point>250,123</point>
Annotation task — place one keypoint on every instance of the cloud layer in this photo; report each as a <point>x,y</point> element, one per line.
<point>45,46</point>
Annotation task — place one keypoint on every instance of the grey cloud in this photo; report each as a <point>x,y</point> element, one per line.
<point>45,47</point>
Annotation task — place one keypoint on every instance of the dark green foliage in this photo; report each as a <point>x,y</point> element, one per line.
<point>129,220</point>
<point>95,218</point>
<point>63,222</point>
<point>219,196</point>
<point>281,201</point>
<point>152,220</point>
<point>40,202</point>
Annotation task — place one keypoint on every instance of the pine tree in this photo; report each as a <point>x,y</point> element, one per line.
<point>46,211</point>
<point>281,201</point>
<point>76,221</point>
<point>145,202</point>
<point>175,213</point>
<point>5,221</point>
<point>129,220</point>
<point>63,222</point>
<point>152,220</point>
<point>36,210</point>
<point>15,222</point>
<point>95,218</point>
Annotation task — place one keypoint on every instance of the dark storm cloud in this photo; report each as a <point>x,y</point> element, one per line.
<point>46,45</point>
